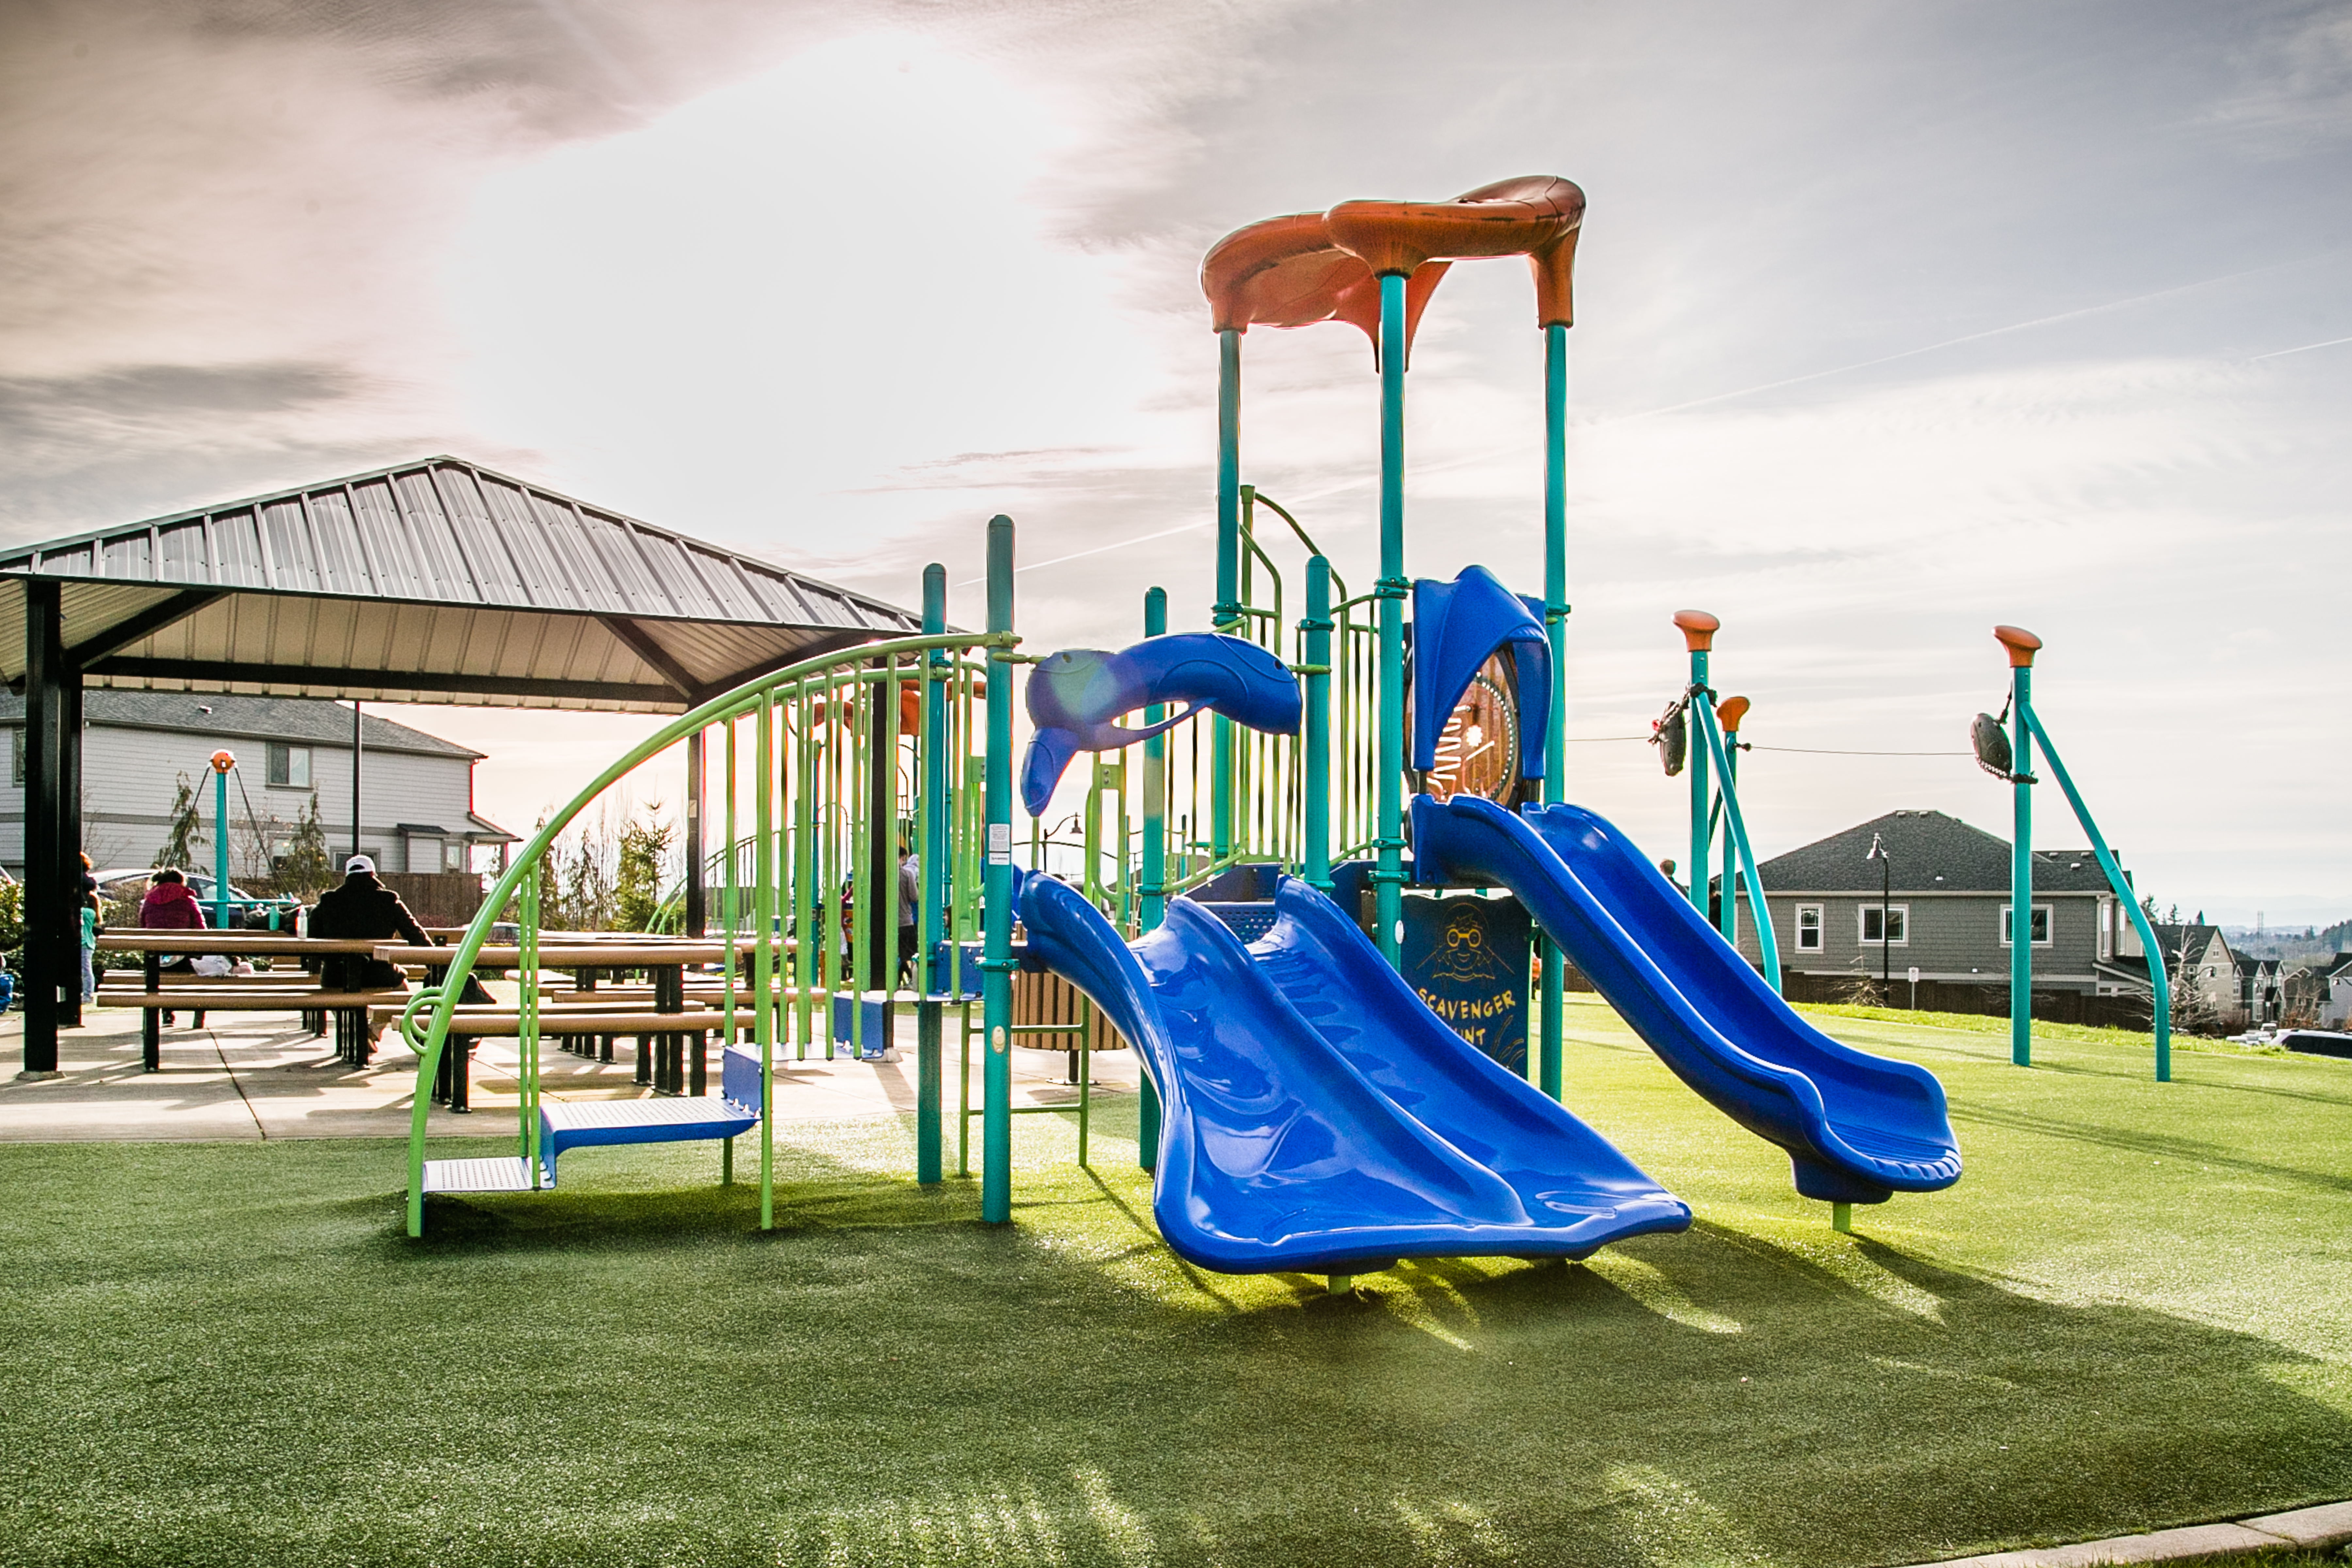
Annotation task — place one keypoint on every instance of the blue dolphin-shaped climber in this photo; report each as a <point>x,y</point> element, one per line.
<point>1076,698</point>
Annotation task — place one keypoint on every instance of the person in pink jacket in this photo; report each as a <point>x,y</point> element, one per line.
<point>170,905</point>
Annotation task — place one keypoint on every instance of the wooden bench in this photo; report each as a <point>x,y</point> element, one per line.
<point>201,993</point>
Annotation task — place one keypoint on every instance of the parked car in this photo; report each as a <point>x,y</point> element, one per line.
<point>122,887</point>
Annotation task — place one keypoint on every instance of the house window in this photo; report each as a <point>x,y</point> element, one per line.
<point>1897,925</point>
<point>2106,928</point>
<point>17,758</point>
<point>456,852</point>
<point>1809,928</point>
<point>290,766</point>
<point>2041,924</point>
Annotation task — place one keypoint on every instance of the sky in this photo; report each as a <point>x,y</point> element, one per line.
<point>1894,322</point>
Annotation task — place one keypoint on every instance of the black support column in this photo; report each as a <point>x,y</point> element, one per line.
<point>696,898</point>
<point>69,838</point>
<point>47,908</point>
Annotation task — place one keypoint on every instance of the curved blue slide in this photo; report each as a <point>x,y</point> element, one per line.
<point>1284,1145</point>
<point>1858,1128</point>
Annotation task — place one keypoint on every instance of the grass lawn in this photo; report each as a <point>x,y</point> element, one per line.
<point>2132,1312</point>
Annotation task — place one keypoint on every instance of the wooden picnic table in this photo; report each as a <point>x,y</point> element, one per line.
<point>227,944</point>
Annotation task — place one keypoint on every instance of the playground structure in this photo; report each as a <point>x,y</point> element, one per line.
<point>1236,907</point>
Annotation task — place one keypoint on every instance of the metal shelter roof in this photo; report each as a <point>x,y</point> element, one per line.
<point>433,582</point>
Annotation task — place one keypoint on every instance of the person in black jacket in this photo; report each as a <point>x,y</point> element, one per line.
<point>363,909</point>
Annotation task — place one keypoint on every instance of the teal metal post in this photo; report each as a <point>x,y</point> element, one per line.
<point>1735,832</point>
<point>1555,785</point>
<point>1151,878</point>
<point>997,894</point>
<point>1698,629</point>
<point>932,840</point>
<point>1727,716</point>
<point>220,841</point>
<point>1314,860</point>
<point>1227,612</point>
<point>1388,872</point>
<point>2159,983</point>
<point>2021,862</point>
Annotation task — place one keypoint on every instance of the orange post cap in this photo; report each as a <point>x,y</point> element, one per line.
<point>2020,644</point>
<point>1730,712</point>
<point>1698,629</point>
<point>224,761</point>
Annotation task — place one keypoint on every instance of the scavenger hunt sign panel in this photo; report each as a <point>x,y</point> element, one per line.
<point>1468,957</point>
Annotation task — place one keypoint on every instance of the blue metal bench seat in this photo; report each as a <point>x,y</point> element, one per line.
<point>587,1123</point>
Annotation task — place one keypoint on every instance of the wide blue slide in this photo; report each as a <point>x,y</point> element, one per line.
<point>1857,1128</point>
<point>1317,1116</point>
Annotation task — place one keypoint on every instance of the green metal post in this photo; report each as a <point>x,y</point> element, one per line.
<point>2160,983</point>
<point>1228,610</point>
<point>1388,873</point>
<point>220,848</point>
<point>1315,650</point>
<point>996,895</point>
<point>2020,877</point>
<point>1555,785</point>
<point>931,844</point>
<point>1151,881</point>
<point>763,964</point>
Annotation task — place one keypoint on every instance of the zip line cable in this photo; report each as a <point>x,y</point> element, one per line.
<point>1749,746</point>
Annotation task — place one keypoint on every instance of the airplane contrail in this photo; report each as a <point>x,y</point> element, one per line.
<point>2281,354</point>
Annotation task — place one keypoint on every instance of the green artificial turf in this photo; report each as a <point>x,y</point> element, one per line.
<point>2131,1313</point>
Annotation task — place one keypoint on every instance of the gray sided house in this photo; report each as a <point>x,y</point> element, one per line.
<point>416,793</point>
<point>1946,909</point>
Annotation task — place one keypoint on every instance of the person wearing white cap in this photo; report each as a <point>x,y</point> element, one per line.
<point>363,909</point>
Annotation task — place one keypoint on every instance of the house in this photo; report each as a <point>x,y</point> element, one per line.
<point>2236,990</point>
<point>1942,909</point>
<point>416,795</point>
<point>2318,990</point>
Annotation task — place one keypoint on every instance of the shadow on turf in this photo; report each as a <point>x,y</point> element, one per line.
<point>2138,1141</point>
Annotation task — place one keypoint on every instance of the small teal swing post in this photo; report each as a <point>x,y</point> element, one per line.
<point>222,762</point>
<point>1698,629</point>
<point>1767,942</point>
<point>2022,645</point>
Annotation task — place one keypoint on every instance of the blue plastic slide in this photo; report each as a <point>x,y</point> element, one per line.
<point>1857,1128</point>
<point>1283,1148</point>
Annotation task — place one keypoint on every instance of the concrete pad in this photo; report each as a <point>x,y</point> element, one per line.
<point>2326,1525</point>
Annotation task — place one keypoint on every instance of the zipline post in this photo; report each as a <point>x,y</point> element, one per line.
<point>1388,872</point>
<point>1555,785</point>
<point>2022,646</point>
<point>1698,629</point>
<point>930,851</point>
<point>997,894</point>
<point>222,761</point>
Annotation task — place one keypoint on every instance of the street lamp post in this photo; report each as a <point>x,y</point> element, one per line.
<point>1886,934</point>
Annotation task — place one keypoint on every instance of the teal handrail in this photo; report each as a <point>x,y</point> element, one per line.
<point>1766,941</point>
<point>2160,983</point>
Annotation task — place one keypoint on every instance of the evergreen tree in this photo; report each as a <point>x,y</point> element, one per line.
<point>186,828</point>
<point>304,869</point>
<point>644,853</point>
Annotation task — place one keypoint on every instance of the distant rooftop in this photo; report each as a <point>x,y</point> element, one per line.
<point>301,718</point>
<point>1927,851</point>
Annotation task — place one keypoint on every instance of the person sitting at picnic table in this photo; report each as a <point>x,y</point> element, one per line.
<point>363,909</point>
<point>170,905</point>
